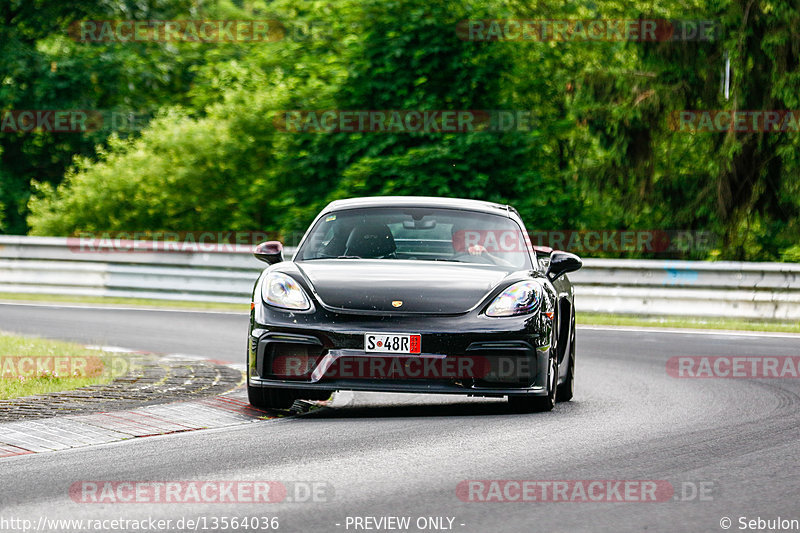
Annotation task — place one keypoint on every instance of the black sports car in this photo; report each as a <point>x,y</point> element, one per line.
<point>413,294</point>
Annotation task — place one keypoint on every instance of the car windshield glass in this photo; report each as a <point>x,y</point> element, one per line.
<point>424,234</point>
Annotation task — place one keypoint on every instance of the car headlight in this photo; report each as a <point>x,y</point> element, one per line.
<point>283,291</point>
<point>518,299</point>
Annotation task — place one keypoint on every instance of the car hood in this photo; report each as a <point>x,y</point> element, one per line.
<point>421,286</point>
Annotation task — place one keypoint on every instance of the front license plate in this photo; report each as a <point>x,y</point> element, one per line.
<point>392,343</point>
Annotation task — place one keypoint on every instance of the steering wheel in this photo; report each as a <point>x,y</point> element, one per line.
<point>481,259</point>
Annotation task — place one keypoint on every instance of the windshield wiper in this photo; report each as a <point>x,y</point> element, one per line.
<point>323,256</point>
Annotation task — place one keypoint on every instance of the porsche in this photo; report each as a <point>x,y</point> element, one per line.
<point>413,294</point>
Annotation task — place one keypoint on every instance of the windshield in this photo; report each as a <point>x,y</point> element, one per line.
<point>423,234</point>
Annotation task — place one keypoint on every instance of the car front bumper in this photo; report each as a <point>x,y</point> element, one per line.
<point>467,354</point>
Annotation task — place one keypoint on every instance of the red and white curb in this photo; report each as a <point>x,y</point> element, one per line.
<point>61,433</point>
<point>72,431</point>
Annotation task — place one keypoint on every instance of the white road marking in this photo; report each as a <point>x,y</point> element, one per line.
<point>689,331</point>
<point>114,308</point>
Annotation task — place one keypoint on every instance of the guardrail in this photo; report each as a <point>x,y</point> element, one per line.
<point>55,265</point>
<point>689,288</point>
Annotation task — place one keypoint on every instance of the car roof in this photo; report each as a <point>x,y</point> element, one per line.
<point>421,201</point>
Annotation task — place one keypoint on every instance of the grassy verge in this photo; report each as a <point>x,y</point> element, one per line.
<point>31,366</point>
<point>128,302</point>
<point>600,319</point>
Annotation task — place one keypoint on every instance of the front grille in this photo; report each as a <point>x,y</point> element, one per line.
<point>291,361</point>
<point>287,357</point>
<point>509,363</point>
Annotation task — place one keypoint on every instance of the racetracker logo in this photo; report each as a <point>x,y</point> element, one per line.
<point>54,366</point>
<point>497,368</point>
<point>576,491</point>
<point>734,367</point>
<point>169,241</point>
<point>72,120</point>
<point>582,241</point>
<point>177,492</point>
<point>572,30</point>
<point>170,31</point>
<point>774,121</point>
<point>403,121</point>
<point>172,492</point>
<point>52,120</point>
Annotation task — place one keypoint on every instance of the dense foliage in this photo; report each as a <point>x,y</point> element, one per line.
<point>601,152</point>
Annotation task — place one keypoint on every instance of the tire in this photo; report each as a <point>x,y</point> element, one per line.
<point>538,404</point>
<point>567,389</point>
<point>265,398</point>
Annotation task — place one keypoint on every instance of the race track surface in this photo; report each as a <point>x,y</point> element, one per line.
<point>379,455</point>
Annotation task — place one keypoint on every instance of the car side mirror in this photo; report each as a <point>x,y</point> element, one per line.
<point>270,252</point>
<point>543,256</point>
<point>561,263</point>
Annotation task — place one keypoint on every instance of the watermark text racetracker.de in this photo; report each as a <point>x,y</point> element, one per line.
<point>18,367</point>
<point>583,491</point>
<point>404,121</point>
<point>203,491</point>
<point>170,241</point>
<point>725,120</point>
<point>497,368</point>
<point>171,31</point>
<point>73,120</point>
<point>586,30</point>
<point>585,241</point>
<point>734,367</point>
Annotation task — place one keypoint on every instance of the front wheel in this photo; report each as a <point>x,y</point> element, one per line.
<point>538,404</point>
<point>567,389</point>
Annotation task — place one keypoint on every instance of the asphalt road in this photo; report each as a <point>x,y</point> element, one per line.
<point>404,455</point>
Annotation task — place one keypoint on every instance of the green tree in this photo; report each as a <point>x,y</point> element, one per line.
<point>602,153</point>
